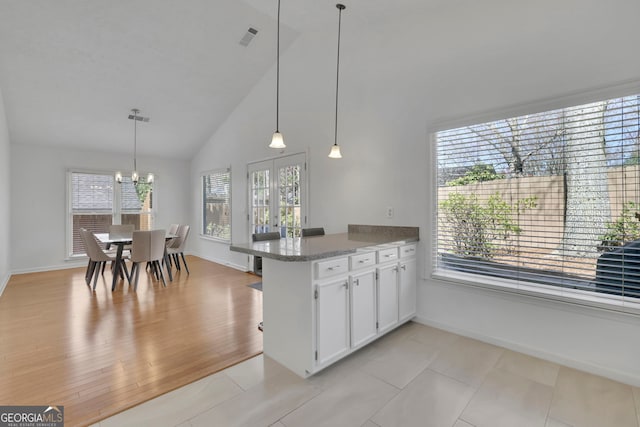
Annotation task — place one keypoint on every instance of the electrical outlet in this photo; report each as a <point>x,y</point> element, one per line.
<point>389,212</point>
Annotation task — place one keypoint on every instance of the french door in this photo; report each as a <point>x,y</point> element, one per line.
<point>278,195</point>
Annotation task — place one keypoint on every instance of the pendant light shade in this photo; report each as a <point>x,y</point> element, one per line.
<point>277,141</point>
<point>335,148</point>
<point>335,152</point>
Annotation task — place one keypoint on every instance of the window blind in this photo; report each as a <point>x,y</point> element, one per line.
<point>96,202</point>
<point>216,204</point>
<point>92,198</point>
<point>548,200</point>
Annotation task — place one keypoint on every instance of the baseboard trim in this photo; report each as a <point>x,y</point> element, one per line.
<point>226,263</point>
<point>592,368</point>
<point>4,282</point>
<point>70,264</point>
<point>83,263</point>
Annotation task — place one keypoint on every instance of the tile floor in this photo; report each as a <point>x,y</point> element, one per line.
<point>415,376</point>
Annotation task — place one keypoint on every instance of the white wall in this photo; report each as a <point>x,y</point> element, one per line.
<point>400,80</point>
<point>38,199</point>
<point>5,223</point>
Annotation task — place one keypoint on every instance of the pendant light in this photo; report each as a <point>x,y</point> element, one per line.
<point>335,148</point>
<point>134,175</point>
<point>276,140</point>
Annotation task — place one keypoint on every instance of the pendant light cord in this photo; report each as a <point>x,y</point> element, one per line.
<point>278,72</point>
<point>135,138</point>
<point>340,8</point>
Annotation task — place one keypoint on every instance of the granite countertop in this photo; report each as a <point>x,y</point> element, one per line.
<point>319,247</point>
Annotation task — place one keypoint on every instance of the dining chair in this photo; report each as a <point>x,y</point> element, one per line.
<point>120,230</point>
<point>98,257</point>
<point>173,229</point>
<point>260,237</point>
<point>147,246</point>
<point>270,235</point>
<point>319,231</point>
<point>89,272</point>
<point>176,250</point>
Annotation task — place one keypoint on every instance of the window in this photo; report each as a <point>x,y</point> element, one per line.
<point>547,201</point>
<point>216,204</point>
<point>96,202</point>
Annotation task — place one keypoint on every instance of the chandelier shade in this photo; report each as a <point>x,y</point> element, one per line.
<point>135,177</point>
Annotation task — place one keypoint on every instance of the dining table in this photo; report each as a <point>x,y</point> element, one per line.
<point>120,240</point>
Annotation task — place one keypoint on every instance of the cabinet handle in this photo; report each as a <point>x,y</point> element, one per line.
<point>388,255</point>
<point>346,285</point>
<point>394,269</point>
<point>333,268</point>
<point>404,267</point>
<point>357,282</point>
<point>362,261</point>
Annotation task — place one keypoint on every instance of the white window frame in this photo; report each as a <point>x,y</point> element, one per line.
<point>203,234</point>
<point>537,291</point>
<point>116,210</point>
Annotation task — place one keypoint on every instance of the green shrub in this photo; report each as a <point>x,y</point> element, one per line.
<point>476,228</point>
<point>477,173</point>
<point>624,229</point>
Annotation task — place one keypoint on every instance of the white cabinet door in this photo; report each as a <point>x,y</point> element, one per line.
<point>332,320</point>
<point>363,307</point>
<point>387,297</point>
<point>407,283</point>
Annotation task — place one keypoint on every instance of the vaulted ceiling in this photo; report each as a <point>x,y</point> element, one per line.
<point>71,70</point>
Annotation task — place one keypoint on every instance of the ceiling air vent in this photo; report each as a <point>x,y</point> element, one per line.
<point>248,36</point>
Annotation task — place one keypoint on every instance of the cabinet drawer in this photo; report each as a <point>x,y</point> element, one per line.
<point>362,260</point>
<point>385,255</point>
<point>331,267</point>
<point>408,250</point>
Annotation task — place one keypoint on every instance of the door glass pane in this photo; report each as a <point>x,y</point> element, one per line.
<point>276,195</point>
<point>289,186</point>
<point>260,201</point>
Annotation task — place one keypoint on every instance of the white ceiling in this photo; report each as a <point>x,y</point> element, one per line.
<point>71,70</point>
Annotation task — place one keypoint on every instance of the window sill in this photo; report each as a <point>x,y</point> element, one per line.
<point>215,239</point>
<point>76,258</point>
<point>545,292</point>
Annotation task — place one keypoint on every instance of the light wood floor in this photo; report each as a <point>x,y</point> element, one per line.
<point>98,353</point>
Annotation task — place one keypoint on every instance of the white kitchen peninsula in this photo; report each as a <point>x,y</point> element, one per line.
<point>325,297</point>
